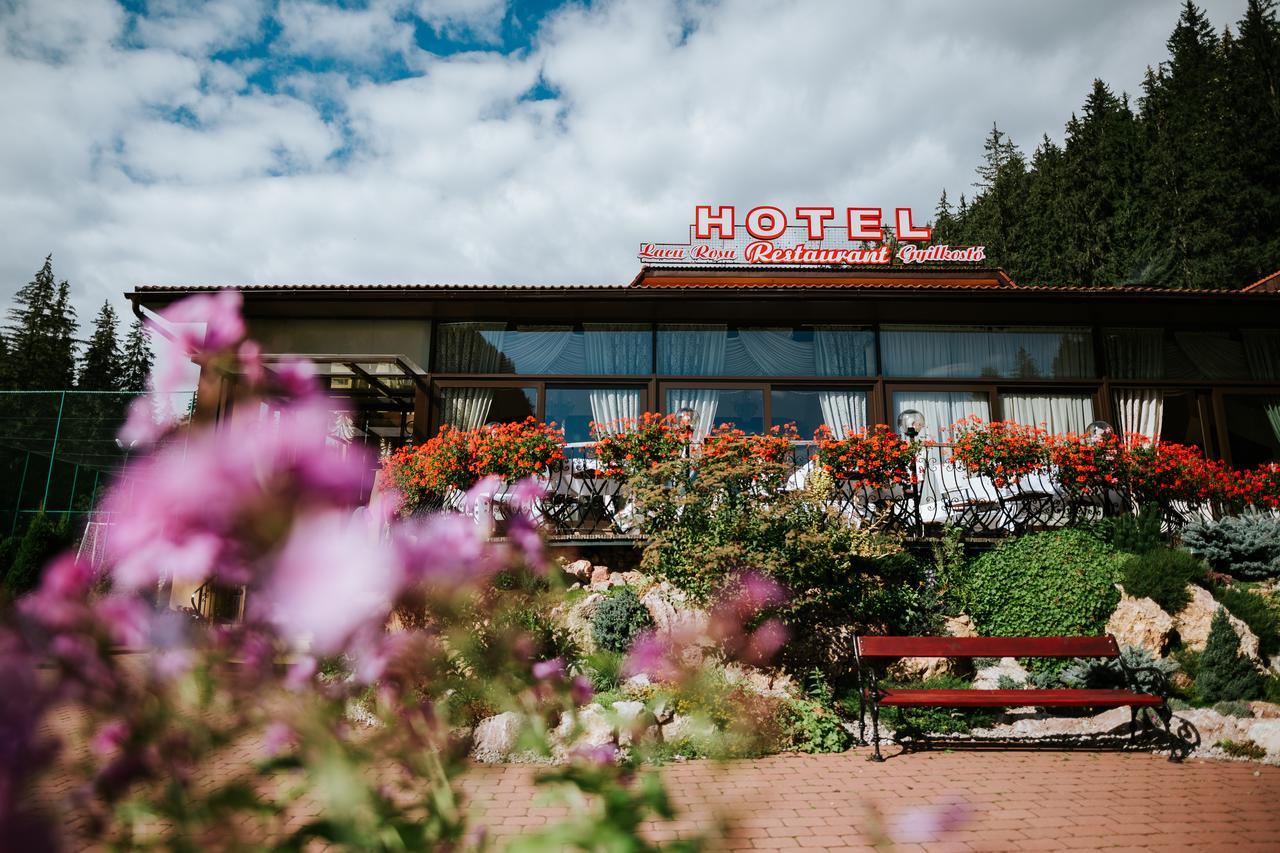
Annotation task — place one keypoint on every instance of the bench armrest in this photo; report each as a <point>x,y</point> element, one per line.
<point>1157,683</point>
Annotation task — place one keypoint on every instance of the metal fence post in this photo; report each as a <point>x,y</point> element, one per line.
<point>53,452</point>
<point>22,485</point>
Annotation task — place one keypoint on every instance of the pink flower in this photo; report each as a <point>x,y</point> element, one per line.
<point>220,314</point>
<point>296,377</point>
<point>276,739</point>
<point>108,738</point>
<point>444,549</point>
<point>580,690</point>
<point>330,579</point>
<point>763,643</point>
<point>250,357</point>
<point>545,670</point>
<point>599,755</point>
<point>652,654</point>
<point>930,823</point>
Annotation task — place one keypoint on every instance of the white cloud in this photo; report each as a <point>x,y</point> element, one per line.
<point>455,174</point>
<point>481,19</point>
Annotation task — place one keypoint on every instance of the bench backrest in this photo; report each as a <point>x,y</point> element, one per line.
<point>988,647</point>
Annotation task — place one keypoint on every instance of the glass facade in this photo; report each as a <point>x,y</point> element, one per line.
<point>1253,428</point>
<point>977,352</point>
<point>714,407</point>
<point>574,409</point>
<point>595,349</point>
<point>719,350</point>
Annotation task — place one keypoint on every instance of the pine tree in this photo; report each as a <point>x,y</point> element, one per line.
<point>103,364</point>
<point>41,335</point>
<point>137,359</point>
<point>995,216</point>
<point>1224,674</point>
<point>943,221</point>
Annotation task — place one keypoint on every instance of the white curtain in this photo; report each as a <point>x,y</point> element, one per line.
<point>769,352</point>
<point>974,351</point>
<point>615,354</point>
<point>465,408</point>
<point>1213,354</point>
<point>1262,352</point>
<point>1140,410</point>
<point>1057,413</point>
<point>693,350</point>
<point>941,409</point>
<point>1134,353</point>
<point>534,349</point>
<point>843,352</point>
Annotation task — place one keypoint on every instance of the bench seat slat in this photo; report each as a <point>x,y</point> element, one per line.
<point>988,647</point>
<point>1066,698</point>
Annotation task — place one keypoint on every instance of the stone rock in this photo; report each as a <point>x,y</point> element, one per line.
<point>580,569</point>
<point>575,618</point>
<point>599,574</point>
<point>1265,710</point>
<point>637,579</point>
<point>988,678</point>
<point>494,738</point>
<point>761,682</point>
<point>1213,726</point>
<point>634,720</point>
<point>921,669</point>
<point>682,727</point>
<point>1192,625</point>
<point>1266,734</point>
<point>959,626</point>
<point>616,580</point>
<point>638,680</point>
<point>592,724</point>
<point>671,611</point>
<point>1140,622</point>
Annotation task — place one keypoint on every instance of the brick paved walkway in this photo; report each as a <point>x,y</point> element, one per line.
<point>1015,801</point>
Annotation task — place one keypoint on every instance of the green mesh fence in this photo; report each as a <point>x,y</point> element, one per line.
<point>58,450</point>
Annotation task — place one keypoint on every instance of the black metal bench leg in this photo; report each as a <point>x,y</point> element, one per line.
<point>875,731</point>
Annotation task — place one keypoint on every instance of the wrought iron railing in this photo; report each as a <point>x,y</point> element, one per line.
<point>583,502</point>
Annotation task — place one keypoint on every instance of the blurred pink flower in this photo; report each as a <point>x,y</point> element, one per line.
<point>930,823</point>
<point>545,670</point>
<point>296,377</point>
<point>580,690</point>
<point>330,579</point>
<point>600,754</point>
<point>764,642</point>
<point>250,357</point>
<point>108,737</point>
<point>219,312</point>
<point>276,739</point>
<point>654,655</point>
<point>444,549</point>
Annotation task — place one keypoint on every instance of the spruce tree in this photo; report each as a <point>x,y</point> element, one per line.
<point>103,365</point>
<point>137,359</point>
<point>29,331</point>
<point>1224,674</point>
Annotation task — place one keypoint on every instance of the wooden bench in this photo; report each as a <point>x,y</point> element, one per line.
<point>873,654</point>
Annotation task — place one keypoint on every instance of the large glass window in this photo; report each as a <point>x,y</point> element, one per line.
<point>1163,414</point>
<point>598,349</point>
<point>712,407</point>
<point>1149,353</point>
<point>1057,413</point>
<point>941,409</point>
<point>980,351</point>
<point>717,350</point>
<point>842,409</point>
<point>575,409</point>
<point>468,408</point>
<point>1253,428</point>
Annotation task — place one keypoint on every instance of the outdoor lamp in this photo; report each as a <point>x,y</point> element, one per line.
<point>686,416</point>
<point>911,423</point>
<point>1098,430</point>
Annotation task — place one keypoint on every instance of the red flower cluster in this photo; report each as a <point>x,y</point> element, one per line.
<point>456,459</point>
<point>876,458</point>
<point>1258,487</point>
<point>1005,451</point>
<point>1087,465</point>
<point>637,444</point>
<point>1166,472</point>
<point>773,446</point>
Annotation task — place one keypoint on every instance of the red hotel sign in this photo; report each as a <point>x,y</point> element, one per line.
<point>812,236</point>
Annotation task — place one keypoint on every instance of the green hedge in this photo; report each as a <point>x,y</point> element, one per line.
<point>1164,575</point>
<point>1058,583</point>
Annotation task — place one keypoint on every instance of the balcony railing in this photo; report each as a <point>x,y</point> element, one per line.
<point>582,503</point>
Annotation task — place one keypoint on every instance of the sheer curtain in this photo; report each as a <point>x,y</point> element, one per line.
<point>615,354</point>
<point>1058,413</point>
<point>468,348</point>
<point>1213,354</point>
<point>693,350</point>
<point>973,351</point>
<point>941,409</point>
<point>1134,353</point>
<point>534,349</point>
<point>1262,352</point>
<point>843,352</point>
<point>774,352</point>
<point>1140,410</point>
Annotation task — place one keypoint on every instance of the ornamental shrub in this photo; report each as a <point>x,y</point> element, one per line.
<point>1257,611</point>
<point>46,537</point>
<point>1224,673</point>
<point>1107,673</point>
<point>1244,546</point>
<point>618,619</point>
<point>1056,583</point>
<point>1163,575</point>
<point>812,724</point>
<point>1134,534</point>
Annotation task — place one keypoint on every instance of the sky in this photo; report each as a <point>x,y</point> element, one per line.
<point>503,141</point>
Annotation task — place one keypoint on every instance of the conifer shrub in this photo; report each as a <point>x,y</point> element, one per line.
<point>1244,546</point>
<point>1225,675</point>
<point>1163,575</point>
<point>1134,534</point>
<point>618,619</point>
<point>1057,583</point>
<point>44,539</point>
<point>1256,611</point>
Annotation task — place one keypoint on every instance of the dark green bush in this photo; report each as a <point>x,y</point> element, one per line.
<point>1107,673</point>
<point>45,538</point>
<point>1244,546</point>
<point>618,619</point>
<point>1134,534</point>
<point>1163,575</point>
<point>1257,612</point>
<point>1058,583</point>
<point>1225,674</point>
<point>8,553</point>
